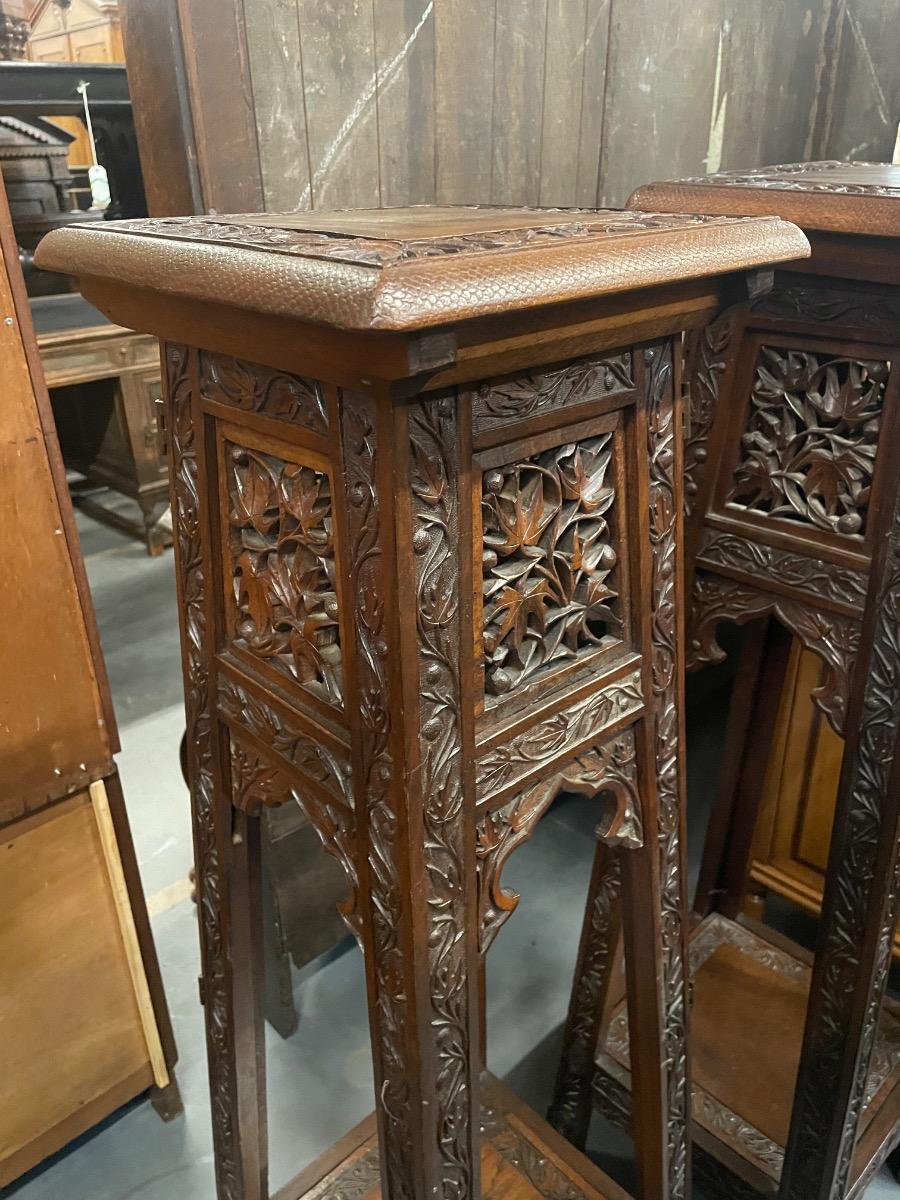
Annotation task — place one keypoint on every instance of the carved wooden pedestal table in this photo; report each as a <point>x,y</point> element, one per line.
<point>426,485</point>
<point>791,462</point>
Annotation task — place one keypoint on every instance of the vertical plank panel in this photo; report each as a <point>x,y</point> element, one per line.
<point>340,85</point>
<point>768,81</point>
<point>520,32</point>
<point>464,73</point>
<point>659,92</point>
<point>221,99</point>
<point>562,101</point>
<point>590,133</point>
<point>276,72</point>
<point>866,104</point>
<point>404,55</point>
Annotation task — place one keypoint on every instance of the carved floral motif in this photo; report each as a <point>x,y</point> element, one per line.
<point>282,548</point>
<point>805,572</point>
<point>385,892</point>
<point>518,757</point>
<point>435,544</point>
<point>272,393</point>
<point>210,900</point>
<point>383,252</point>
<point>500,403</point>
<point>709,363</point>
<point>808,452</point>
<point>549,561</point>
<point>309,756</point>
<point>662,413</point>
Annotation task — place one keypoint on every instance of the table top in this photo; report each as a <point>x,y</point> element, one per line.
<point>413,268</point>
<point>833,197</point>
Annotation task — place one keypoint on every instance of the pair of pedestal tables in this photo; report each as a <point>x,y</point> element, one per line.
<point>427,489</point>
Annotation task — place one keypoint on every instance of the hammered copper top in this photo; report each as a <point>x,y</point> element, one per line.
<point>832,197</point>
<point>410,268</point>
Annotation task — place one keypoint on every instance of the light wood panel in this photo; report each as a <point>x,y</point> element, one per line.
<point>59,936</point>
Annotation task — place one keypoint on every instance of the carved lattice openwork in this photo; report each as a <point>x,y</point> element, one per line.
<point>282,554</point>
<point>549,560</point>
<point>808,452</point>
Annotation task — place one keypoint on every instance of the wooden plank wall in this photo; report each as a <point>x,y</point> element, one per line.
<point>342,103</point>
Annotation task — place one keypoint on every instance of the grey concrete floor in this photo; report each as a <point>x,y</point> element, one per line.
<point>320,1081</point>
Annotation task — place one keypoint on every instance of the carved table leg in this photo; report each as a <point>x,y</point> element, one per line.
<point>237,1081</point>
<point>859,911</point>
<point>570,1110</point>
<point>416,849</point>
<point>752,721</point>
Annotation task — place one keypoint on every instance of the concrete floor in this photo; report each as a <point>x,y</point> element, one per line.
<point>320,1079</point>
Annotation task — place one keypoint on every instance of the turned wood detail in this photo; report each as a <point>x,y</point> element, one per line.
<point>607,772</point>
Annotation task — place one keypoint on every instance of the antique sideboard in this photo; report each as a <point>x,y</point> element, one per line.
<point>426,480</point>
<point>792,457</point>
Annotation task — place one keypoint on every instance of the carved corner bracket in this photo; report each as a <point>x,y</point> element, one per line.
<point>607,772</point>
<point>834,639</point>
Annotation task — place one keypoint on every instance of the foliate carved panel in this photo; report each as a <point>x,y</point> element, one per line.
<point>709,362</point>
<point>607,772</point>
<point>500,403</point>
<point>258,783</point>
<point>808,450</point>
<point>310,756</point>
<point>366,592</point>
<point>435,544</point>
<point>832,637</point>
<point>821,580</point>
<point>281,540</point>
<point>549,561</point>
<point>190,566</point>
<point>254,388</point>
<point>517,758</point>
<point>662,414</point>
<point>876,314</point>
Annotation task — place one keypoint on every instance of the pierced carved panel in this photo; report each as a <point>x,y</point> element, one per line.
<point>549,561</point>
<point>808,451</point>
<point>281,541</point>
<point>254,388</point>
<point>497,404</point>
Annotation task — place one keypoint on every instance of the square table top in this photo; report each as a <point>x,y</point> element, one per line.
<point>832,197</point>
<point>413,268</point>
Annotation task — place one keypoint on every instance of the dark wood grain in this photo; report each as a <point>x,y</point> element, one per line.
<point>405,61</point>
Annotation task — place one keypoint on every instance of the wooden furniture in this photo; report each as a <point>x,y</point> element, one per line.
<point>83,1023</point>
<point>426,490</point>
<point>791,463</point>
<point>107,397</point>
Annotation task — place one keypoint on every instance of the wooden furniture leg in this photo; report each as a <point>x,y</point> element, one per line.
<point>752,717</point>
<point>859,911</point>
